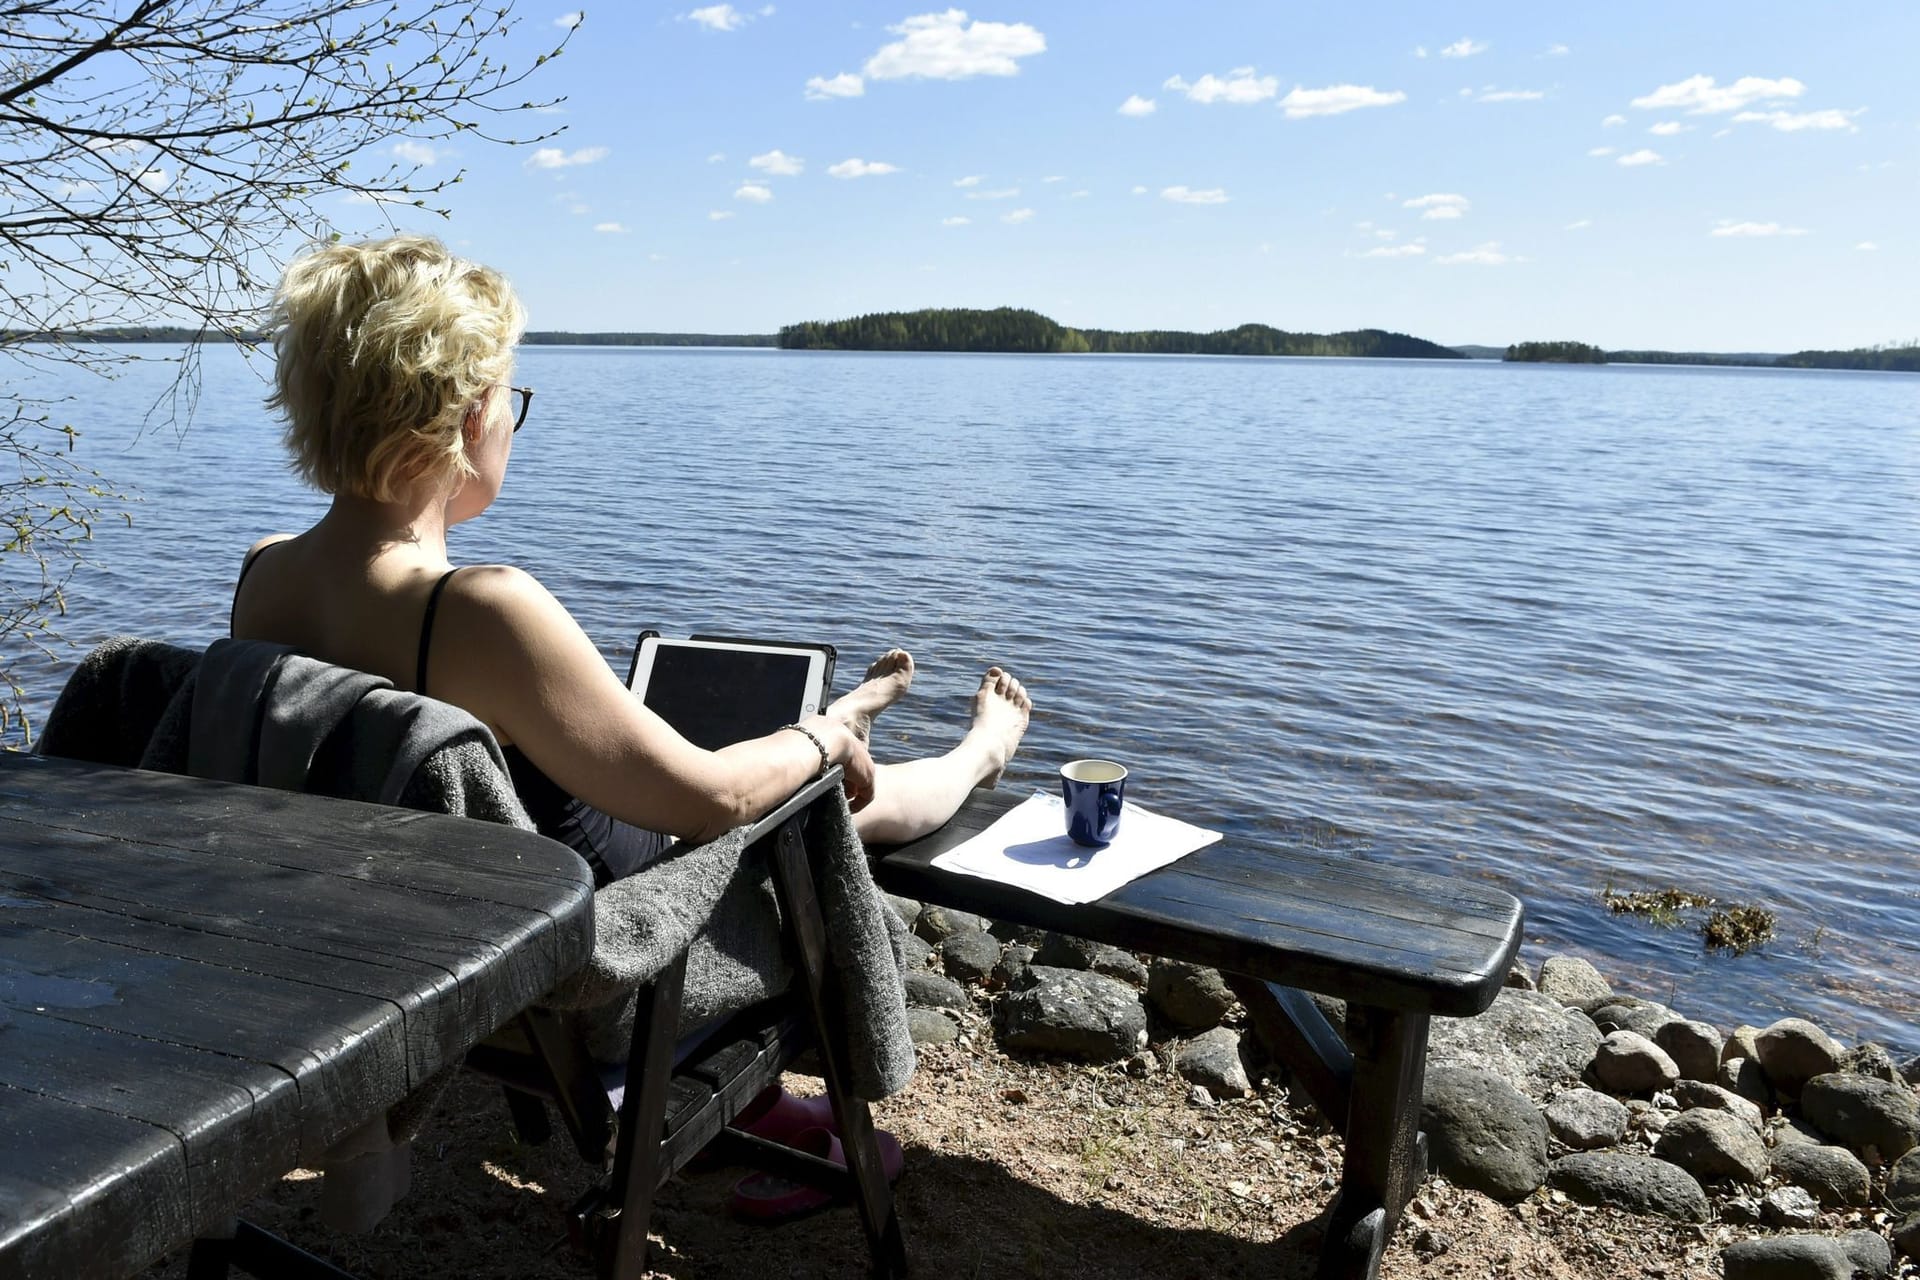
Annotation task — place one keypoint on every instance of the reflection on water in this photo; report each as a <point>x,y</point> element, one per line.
<point>1557,628</point>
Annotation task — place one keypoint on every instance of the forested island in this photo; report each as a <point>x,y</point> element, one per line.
<point>1893,357</point>
<point>1013,329</point>
<point>1555,353</point>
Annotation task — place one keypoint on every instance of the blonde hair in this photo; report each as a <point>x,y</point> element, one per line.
<point>381,348</point>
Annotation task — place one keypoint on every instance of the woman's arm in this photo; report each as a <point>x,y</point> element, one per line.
<point>508,652</point>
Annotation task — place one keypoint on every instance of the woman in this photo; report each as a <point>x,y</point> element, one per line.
<point>395,361</point>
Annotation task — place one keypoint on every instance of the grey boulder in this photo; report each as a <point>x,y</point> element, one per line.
<point>1525,1037</point>
<point>1064,951</point>
<point>1483,1133</point>
<point>1586,1119</point>
<point>1642,1017</point>
<point>1628,1062</point>
<point>906,908</point>
<point>1745,1077</point>
<point>1906,1235</point>
<point>1693,1093</point>
<point>1903,1183</point>
<point>969,956</point>
<point>1636,1184</point>
<point>1074,1013</point>
<point>1834,1175</point>
<point>1123,965</point>
<point>1807,1257</point>
<point>1693,1046</point>
<point>1190,996</point>
<point>1572,981</point>
<point>1011,970</point>
<point>1212,1059</point>
<point>928,990</point>
<point>1713,1146</point>
<point>935,923</point>
<point>1793,1051</point>
<point>932,1026</point>
<point>1863,1112</point>
<point>1789,1207</point>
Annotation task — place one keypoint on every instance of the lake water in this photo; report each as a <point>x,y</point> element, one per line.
<point>1555,628</point>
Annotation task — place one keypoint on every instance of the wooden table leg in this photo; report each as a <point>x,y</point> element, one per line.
<point>1384,1155</point>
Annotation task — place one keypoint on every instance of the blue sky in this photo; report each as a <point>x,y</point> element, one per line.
<point>1702,176</point>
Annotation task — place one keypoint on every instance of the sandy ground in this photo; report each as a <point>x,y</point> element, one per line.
<point>1015,1167</point>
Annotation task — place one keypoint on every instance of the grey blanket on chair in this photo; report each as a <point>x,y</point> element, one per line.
<point>253,712</point>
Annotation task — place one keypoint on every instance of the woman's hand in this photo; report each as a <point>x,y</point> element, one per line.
<point>846,749</point>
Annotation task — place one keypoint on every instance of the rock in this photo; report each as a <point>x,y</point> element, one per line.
<point>1870,1059</point>
<point>1834,1174</point>
<point>1740,1210</point>
<point>1585,1119</point>
<point>1786,1131</point>
<point>1123,965</point>
<point>1692,1093</point>
<point>969,956</point>
<point>1637,1184</point>
<point>1744,1042</point>
<point>1011,970</point>
<point>906,908</point>
<point>1910,1069</point>
<point>1789,1207</point>
<point>1863,1112</point>
<point>1903,1183</point>
<point>1869,1251</point>
<point>1024,934</point>
<point>1794,1257</point>
<point>1693,1046</point>
<point>1571,980</point>
<point>1906,1235</point>
<point>1524,1037</point>
<point>1190,996</point>
<point>1078,1014</point>
<point>1793,1051</point>
<point>1627,1062</point>
<point>1519,978</point>
<point>1483,1133</point>
<point>928,990</point>
<point>1643,1018</point>
<point>1713,1146</point>
<point>1744,1077</point>
<point>915,951</point>
<point>1213,1059</point>
<point>1333,1009</point>
<point>931,1026</point>
<point>935,923</point>
<point>1063,951</point>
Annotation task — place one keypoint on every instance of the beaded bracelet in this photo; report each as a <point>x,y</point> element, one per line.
<point>826,761</point>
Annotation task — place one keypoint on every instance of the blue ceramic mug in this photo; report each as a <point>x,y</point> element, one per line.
<point>1095,792</point>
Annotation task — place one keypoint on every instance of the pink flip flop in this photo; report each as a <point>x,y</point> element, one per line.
<point>787,1115</point>
<point>771,1198</point>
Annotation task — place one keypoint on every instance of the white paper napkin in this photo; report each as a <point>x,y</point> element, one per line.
<point>1028,848</point>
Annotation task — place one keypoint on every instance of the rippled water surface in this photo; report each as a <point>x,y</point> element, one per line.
<point>1556,628</point>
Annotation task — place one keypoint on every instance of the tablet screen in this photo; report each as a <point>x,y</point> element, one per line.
<point>715,695</point>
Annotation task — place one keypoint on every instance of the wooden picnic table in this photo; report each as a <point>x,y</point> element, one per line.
<point>204,985</point>
<point>1398,946</point>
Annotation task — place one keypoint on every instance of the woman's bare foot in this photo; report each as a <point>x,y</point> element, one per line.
<point>1001,708</point>
<point>885,684</point>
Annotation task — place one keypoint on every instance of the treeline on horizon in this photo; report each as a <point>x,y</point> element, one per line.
<point>1014,329</point>
<point>1885,358</point>
<point>536,338</point>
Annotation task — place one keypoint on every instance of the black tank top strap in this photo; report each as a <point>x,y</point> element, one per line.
<point>426,632</point>
<point>246,567</point>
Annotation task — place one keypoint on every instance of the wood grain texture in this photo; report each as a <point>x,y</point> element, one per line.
<point>203,985</point>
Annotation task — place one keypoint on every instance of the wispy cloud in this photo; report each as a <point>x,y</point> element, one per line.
<point>1867,246</point>
<point>1790,122</point>
<point>1702,95</point>
<point>844,85</point>
<point>1440,206</point>
<point>1395,251</point>
<point>1137,106</point>
<point>1578,224</point>
<point>1728,227</point>
<point>1644,156</point>
<point>754,192</point>
<point>1188,195</point>
<point>1239,87</point>
<point>717,17</point>
<point>716,157</point>
<point>858,168</point>
<point>610,228</point>
<point>1140,191</point>
<point>956,222</point>
<point>1509,95</point>
<point>1485,255</point>
<point>1464,47</point>
<point>1556,51</point>
<point>777,163</point>
<point>1055,177</point>
<point>945,46</point>
<point>1000,193</point>
<point>555,158</point>
<point>1336,99</point>
<point>1600,152</point>
<point>1613,121</point>
<point>1666,128</point>
<point>415,152</point>
<point>719,215</point>
<point>1081,194</point>
<point>568,21</point>
<point>1017,216</point>
<point>971,180</point>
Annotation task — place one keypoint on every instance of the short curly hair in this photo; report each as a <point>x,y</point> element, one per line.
<point>380,348</point>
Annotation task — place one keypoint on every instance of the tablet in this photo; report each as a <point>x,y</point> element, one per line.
<point>717,692</point>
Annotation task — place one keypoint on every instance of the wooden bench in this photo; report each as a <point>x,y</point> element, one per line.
<point>1398,946</point>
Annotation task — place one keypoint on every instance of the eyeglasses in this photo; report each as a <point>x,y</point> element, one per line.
<point>522,398</point>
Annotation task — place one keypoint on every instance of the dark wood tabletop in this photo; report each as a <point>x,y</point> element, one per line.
<point>1360,930</point>
<point>204,985</point>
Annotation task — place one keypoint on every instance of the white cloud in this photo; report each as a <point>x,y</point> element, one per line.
<point>1140,191</point>
<point>1187,195</point>
<point>719,215</point>
<point>656,257</point>
<point>1055,177</point>
<point>1419,51</point>
<point>1081,194</point>
<point>1002,193</point>
<point>1613,120</point>
<point>945,46</point>
<point>716,157</point>
<point>568,21</point>
<point>1866,246</point>
<point>611,228</point>
<point>115,146</point>
<point>1600,152</point>
<point>1790,122</point>
<point>1728,227</point>
<point>1464,47</point>
<point>415,152</point>
<point>1635,159</point>
<point>1016,216</point>
<point>844,85</point>
<point>971,180</point>
<point>777,163</point>
<point>858,168</point>
<point>1701,95</point>
<point>154,179</point>
<point>1486,255</point>
<point>555,158</point>
<point>1396,251</point>
<point>754,191</point>
<point>1556,51</point>
<point>1335,99</point>
<point>718,17</point>
<point>1137,106</point>
<point>956,222</point>
<point>1579,224</point>
<point>1439,206</point>
<point>1238,87</point>
<point>68,190</point>
<point>1666,128</point>
<point>1510,95</point>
